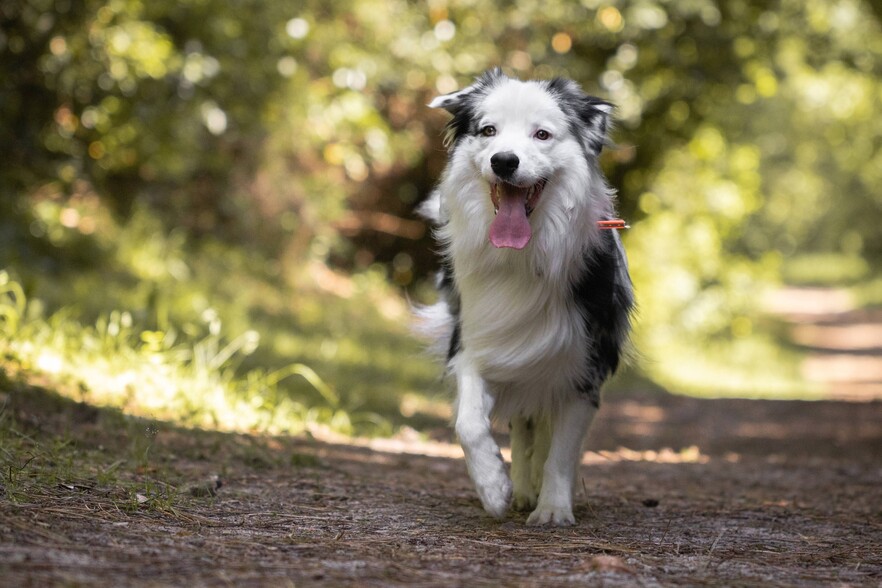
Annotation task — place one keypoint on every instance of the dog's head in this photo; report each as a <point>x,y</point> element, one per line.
<point>521,137</point>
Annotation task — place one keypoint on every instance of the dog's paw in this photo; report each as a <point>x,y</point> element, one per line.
<point>495,495</point>
<point>524,502</point>
<point>555,516</point>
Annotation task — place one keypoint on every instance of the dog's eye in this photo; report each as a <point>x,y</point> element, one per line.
<point>542,135</point>
<point>488,131</point>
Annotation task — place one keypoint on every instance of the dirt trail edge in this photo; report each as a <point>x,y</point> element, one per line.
<point>676,491</point>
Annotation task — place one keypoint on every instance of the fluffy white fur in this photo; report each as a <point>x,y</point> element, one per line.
<point>522,336</point>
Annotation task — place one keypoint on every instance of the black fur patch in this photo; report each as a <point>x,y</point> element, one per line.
<point>605,298</point>
<point>447,288</point>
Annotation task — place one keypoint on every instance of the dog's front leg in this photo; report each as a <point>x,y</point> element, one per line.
<point>568,430</point>
<point>483,459</point>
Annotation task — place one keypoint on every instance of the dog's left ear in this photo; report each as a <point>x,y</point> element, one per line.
<point>595,114</point>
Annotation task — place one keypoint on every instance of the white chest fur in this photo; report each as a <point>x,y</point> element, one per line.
<point>522,331</point>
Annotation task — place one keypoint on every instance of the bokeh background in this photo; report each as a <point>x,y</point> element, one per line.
<point>206,205</point>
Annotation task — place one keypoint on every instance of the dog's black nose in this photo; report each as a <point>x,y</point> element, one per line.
<point>504,164</point>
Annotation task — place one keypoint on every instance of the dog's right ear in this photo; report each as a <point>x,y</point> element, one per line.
<point>453,101</point>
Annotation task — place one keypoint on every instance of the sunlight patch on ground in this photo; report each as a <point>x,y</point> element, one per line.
<point>847,337</point>
<point>409,442</point>
<point>794,302</point>
<point>691,454</point>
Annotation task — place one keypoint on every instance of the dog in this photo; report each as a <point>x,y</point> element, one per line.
<point>535,297</point>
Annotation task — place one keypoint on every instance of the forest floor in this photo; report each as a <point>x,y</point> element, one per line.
<point>676,491</point>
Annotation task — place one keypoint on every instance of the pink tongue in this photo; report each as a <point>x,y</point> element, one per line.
<point>511,228</point>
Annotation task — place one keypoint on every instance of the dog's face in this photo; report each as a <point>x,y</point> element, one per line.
<point>522,137</point>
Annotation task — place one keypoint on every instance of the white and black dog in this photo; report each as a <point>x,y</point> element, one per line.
<point>535,295</point>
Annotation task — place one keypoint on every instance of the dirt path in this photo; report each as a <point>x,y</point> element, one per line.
<point>678,491</point>
<point>843,343</point>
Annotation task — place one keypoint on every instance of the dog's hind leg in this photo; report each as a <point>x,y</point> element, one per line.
<point>530,441</point>
<point>568,429</point>
<point>541,447</point>
<point>522,446</point>
<point>483,459</point>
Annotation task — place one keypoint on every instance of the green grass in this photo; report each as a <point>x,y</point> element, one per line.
<point>39,452</point>
<point>60,453</point>
<point>215,337</point>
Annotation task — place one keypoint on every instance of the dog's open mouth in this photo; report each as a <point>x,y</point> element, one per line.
<point>513,205</point>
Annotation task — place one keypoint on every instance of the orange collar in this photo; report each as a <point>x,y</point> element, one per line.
<point>616,223</point>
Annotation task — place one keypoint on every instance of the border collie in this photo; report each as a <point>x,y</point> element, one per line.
<point>535,298</point>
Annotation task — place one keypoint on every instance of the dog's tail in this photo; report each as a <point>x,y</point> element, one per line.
<point>430,209</point>
<point>435,324</point>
